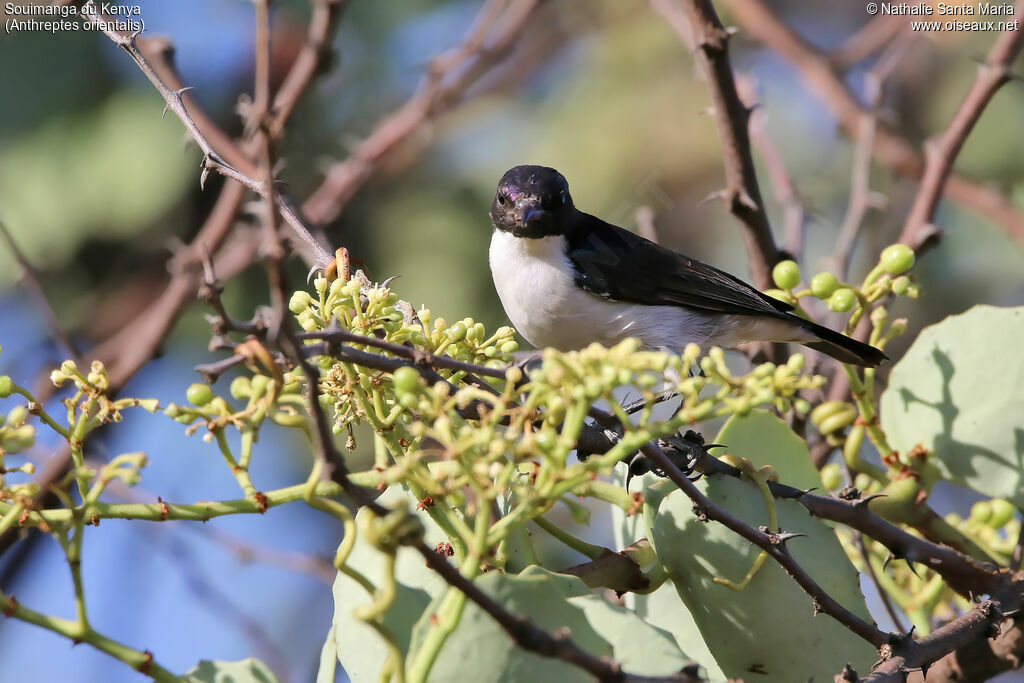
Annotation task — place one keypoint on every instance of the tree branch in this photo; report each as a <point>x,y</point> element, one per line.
<point>940,153</point>
<point>709,42</point>
<point>890,149</point>
<point>211,160</point>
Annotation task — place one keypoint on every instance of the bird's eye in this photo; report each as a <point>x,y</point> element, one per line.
<point>502,199</point>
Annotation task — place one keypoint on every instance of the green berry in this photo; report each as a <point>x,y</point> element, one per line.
<point>458,332</point>
<point>1002,513</point>
<point>900,285</point>
<point>842,300</point>
<point>786,274</point>
<point>831,477</point>
<point>823,284</point>
<point>406,379</point>
<point>241,387</point>
<point>778,294</point>
<point>299,302</point>
<point>897,258</point>
<point>981,511</point>
<point>199,394</point>
<point>6,386</point>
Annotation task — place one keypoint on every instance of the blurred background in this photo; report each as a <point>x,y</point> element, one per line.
<point>99,192</point>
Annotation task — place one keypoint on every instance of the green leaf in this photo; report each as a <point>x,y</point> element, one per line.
<point>361,649</point>
<point>479,650</point>
<point>662,608</point>
<point>640,648</point>
<point>767,631</point>
<point>953,393</point>
<point>764,439</point>
<point>246,671</point>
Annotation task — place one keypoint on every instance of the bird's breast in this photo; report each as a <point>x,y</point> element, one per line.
<point>536,284</point>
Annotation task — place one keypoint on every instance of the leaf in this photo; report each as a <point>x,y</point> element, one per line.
<point>764,439</point>
<point>662,608</point>
<point>958,392</point>
<point>361,650</point>
<point>640,648</point>
<point>767,631</point>
<point>245,671</point>
<point>479,650</point>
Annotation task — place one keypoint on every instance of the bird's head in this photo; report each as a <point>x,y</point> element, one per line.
<point>533,202</point>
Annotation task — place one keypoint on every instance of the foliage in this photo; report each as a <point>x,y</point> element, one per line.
<point>470,448</point>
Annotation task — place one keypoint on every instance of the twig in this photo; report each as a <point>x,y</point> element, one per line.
<point>335,335</point>
<point>772,544</point>
<point>941,153</point>
<point>211,160</point>
<point>974,627</point>
<point>445,83</point>
<point>322,26</point>
<point>871,38</point>
<point>30,279</point>
<point>697,24</point>
<point>781,181</point>
<point>860,189</point>
<point>980,659</point>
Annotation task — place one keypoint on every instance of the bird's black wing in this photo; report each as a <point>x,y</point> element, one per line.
<point>616,264</point>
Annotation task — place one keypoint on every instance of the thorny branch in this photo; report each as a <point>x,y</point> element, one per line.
<point>941,153</point>
<point>697,24</point>
<point>211,160</point>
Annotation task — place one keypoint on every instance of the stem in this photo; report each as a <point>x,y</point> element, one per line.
<point>591,551</point>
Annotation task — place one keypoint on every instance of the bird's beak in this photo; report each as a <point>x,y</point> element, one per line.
<point>527,210</point>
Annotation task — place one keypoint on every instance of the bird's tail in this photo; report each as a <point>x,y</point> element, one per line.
<point>843,348</point>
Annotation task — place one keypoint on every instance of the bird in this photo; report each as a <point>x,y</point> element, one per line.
<point>567,279</point>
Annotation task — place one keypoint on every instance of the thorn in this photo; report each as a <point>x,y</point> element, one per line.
<point>730,31</point>
<point>717,194</point>
<point>747,201</point>
<point>706,111</point>
<point>313,271</point>
<point>864,501</point>
<point>889,558</point>
<point>910,565</point>
<point>783,538</point>
<point>205,174</point>
<point>391,279</point>
<point>164,112</point>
